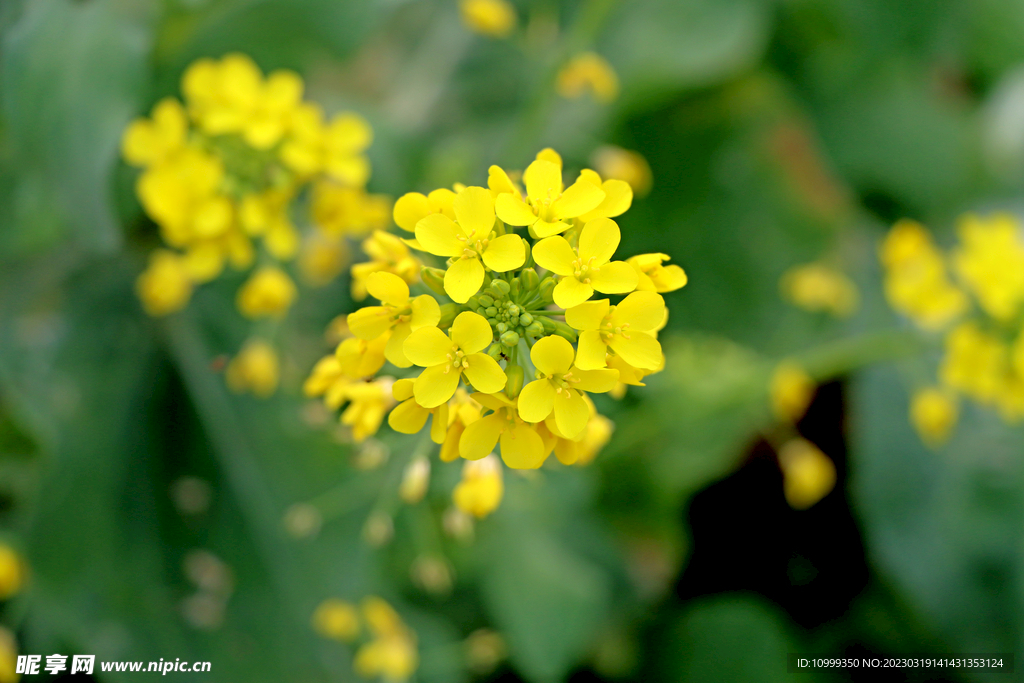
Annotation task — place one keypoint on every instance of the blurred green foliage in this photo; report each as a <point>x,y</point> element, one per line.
<point>778,133</point>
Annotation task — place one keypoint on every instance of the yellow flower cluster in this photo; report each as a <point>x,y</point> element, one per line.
<point>389,651</point>
<point>502,344</point>
<point>226,173</point>
<point>974,295</point>
<point>588,72</point>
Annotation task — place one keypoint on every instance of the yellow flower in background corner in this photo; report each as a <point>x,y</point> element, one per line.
<point>495,18</point>
<point>990,261</point>
<point>337,620</point>
<point>481,489</point>
<point>548,203</point>
<point>559,387</point>
<point>409,416</point>
<point>399,314</point>
<point>165,286</point>
<point>254,369</point>
<point>415,479</point>
<point>521,446</point>
<point>340,210</point>
<point>471,242</point>
<point>654,276</point>
<point>12,572</point>
<point>268,293</point>
<point>791,391</point>
<point>588,72</point>
<point>628,329</point>
<point>589,267</point>
<point>816,287</point>
<point>322,259</point>
<point>808,475</point>
<point>391,654</point>
<point>933,412</point>
<point>447,357</point>
<point>623,164</point>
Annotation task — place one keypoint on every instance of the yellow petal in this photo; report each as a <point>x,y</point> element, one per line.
<point>548,154</point>
<point>389,288</point>
<point>425,312</point>
<point>370,322</point>
<point>616,277</point>
<point>555,254</point>
<point>571,413</point>
<point>641,350</point>
<point>505,253</point>
<point>595,381</point>
<point>402,389</point>
<point>474,209</point>
<point>450,447</point>
<point>481,437</point>
<point>484,373</point>
<point>521,447</point>
<point>493,401</point>
<point>435,385</point>
<point>543,181</point>
<point>578,199</point>
<point>642,310</point>
<point>589,175</point>
<point>542,229</point>
<point>571,292</point>
<point>408,417</point>
<point>439,235</point>
<point>463,279</point>
<point>618,197</point>
<point>587,316</point>
<point>591,351</point>
<point>427,346</point>
<point>472,333</point>
<point>499,182</point>
<point>536,400</point>
<point>410,209</point>
<point>670,278</point>
<point>395,349</point>
<point>598,240</point>
<point>441,201</point>
<point>513,210</point>
<point>439,425</point>
<point>566,451</point>
<point>552,355</point>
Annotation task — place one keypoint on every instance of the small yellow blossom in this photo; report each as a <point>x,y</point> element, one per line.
<point>387,253</point>
<point>413,207</point>
<point>791,391</point>
<point>391,654</point>
<point>485,649</point>
<point>447,357</point>
<point>151,141</point>
<point>322,259</point>
<point>521,447</point>
<point>254,369</point>
<point>361,358</point>
<point>623,164</point>
<point>495,18</point>
<point>588,72</point>
<point>327,380</point>
<point>334,148</point>
<point>399,314</point>
<point>165,286</point>
<point>269,292</point>
<point>415,479</point>
<point>462,411</point>
<point>916,279</point>
<point>481,489</point>
<point>548,204</point>
<point>470,242</point>
<point>817,287</point>
<point>337,620</point>
<point>8,657</point>
<point>933,412</point>
<point>409,416</point>
<point>653,276</point>
<point>559,386</point>
<point>618,196</point>
<point>808,474</point>
<point>628,329</point>
<point>344,210</point>
<point>12,572</point>
<point>589,267</point>
<point>990,261</point>
<point>368,403</point>
<point>975,363</point>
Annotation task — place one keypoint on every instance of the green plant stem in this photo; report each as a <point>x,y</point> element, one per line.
<point>853,353</point>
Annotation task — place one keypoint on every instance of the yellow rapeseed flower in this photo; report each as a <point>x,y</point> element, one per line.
<point>975,363</point>
<point>990,261</point>
<point>481,489</point>
<point>151,141</point>
<point>495,18</point>
<point>817,287</point>
<point>368,403</point>
<point>400,315</point>
<point>387,253</point>
<point>933,412</point>
<point>269,292</point>
<point>587,268</point>
<point>916,279</point>
<point>409,416</point>
<point>337,620</point>
<point>391,654</point>
<point>618,196</point>
<point>413,207</point>
<point>255,369</point>
<point>462,411</point>
<point>521,446</point>
<point>165,286</point>
<point>791,391</point>
<point>654,276</point>
<point>808,475</point>
<point>588,72</point>
<point>627,329</point>
<point>12,572</point>
<point>623,164</point>
<point>548,204</point>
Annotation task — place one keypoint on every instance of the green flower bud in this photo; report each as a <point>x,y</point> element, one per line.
<point>535,329</point>
<point>494,351</point>
<point>525,319</point>
<point>493,321</point>
<point>529,279</point>
<point>502,287</point>
<point>513,321</point>
<point>491,311</point>
<point>501,327</point>
<point>513,309</point>
<point>564,331</point>
<point>434,279</point>
<point>517,288</point>
<point>448,314</point>
<point>485,300</point>
<point>547,324</point>
<point>546,288</point>
<point>510,338</point>
<point>515,376</point>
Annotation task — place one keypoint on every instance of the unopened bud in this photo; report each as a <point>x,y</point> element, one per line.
<point>515,376</point>
<point>529,279</point>
<point>510,339</point>
<point>485,300</point>
<point>415,481</point>
<point>448,313</point>
<point>502,287</point>
<point>535,329</point>
<point>566,332</point>
<point>525,319</point>
<point>517,288</point>
<point>434,279</point>
<point>547,288</point>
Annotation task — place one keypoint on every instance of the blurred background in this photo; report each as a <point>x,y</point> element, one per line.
<point>154,514</point>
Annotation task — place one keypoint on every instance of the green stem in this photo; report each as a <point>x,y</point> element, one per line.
<point>845,355</point>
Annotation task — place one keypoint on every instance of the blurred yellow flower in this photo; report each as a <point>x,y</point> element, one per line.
<point>588,72</point>
<point>933,412</point>
<point>387,253</point>
<point>8,657</point>
<point>916,280</point>
<point>336,619</point>
<point>269,292</point>
<point>391,654</point>
<point>165,286</point>
<point>975,363</point>
<point>254,369</point>
<point>495,18</point>
<point>462,411</point>
<point>415,479</point>
<point>322,259</point>
<point>791,391</point>
<point>623,164</point>
<point>481,489</point>
<point>808,474</point>
<point>368,403</point>
<point>12,572</point>
<point>817,287</point>
<point>151,141</point>
<point>990,261</point>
